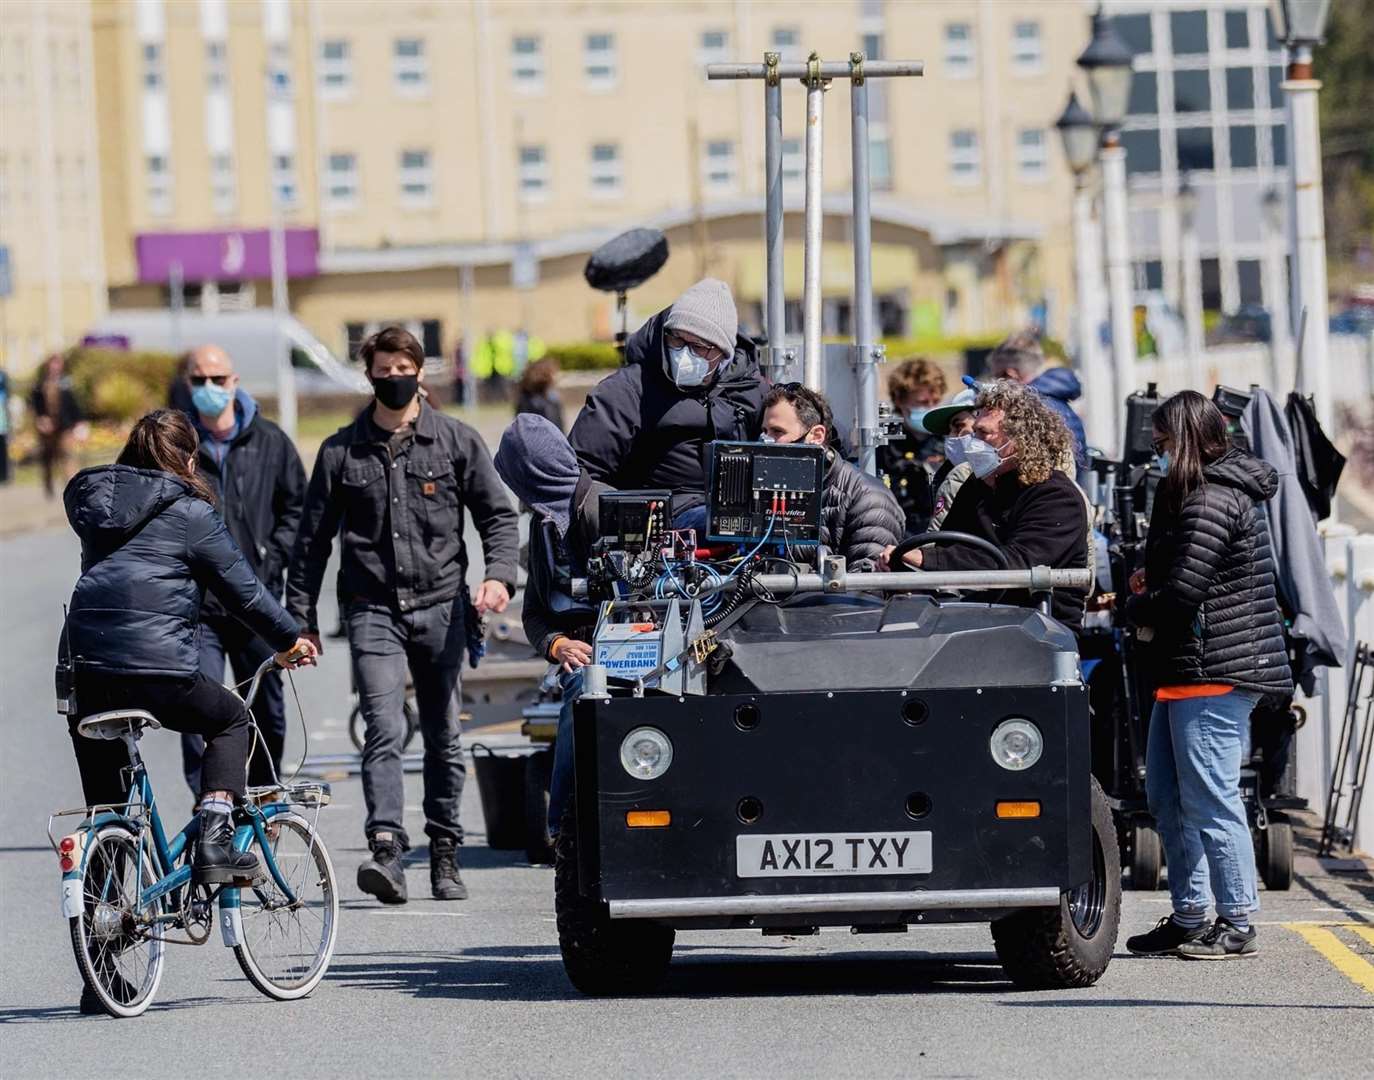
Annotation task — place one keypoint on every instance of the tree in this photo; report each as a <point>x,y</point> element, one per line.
<point>1345,64</point>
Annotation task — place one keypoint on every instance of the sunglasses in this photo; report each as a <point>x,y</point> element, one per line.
<point>1157,445</point>
<point>201,380</point>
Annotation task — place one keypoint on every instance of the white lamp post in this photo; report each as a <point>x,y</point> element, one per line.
<point>1300,25</point>
<point>1107,63</point>
<point>1192,285</point>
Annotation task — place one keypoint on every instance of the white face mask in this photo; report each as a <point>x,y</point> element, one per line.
<point>985,459</point>
<point>956,449</point>
<point>686,368</point>
<point>764,437</point>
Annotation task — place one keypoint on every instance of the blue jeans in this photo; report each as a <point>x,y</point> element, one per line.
<point>1192,782</point>
<point>561,783</point>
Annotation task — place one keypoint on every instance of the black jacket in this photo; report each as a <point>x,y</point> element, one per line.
<point>548,608</point>
<point>903,461</point>
<point>149,550</point>
<point>261,488</point>
<point>859,516</point>
<point>402,521</point>
<point>1210,603</point>
<point>1043,524</point>
<point>68,413</point>
<point>548,405</point>
<point>639,430</point>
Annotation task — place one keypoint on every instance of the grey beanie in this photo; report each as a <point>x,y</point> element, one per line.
<point>707,310</point>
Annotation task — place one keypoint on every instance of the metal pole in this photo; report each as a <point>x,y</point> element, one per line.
<point>811,296</point>
<point>814,68</point>
<point>776,317</point>
<point>1100,410</point>
<point>1113,158</point>
<point>865,360</point>
<point>281,309</point>
<point>1192,308</point>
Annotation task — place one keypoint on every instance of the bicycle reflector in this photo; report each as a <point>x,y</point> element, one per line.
<point>69,851</point>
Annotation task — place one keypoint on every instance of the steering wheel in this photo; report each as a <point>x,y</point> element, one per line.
<point>897,562</point>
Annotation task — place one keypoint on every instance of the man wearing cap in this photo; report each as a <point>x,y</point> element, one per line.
<point>951,421</point>
<point>689,378</point>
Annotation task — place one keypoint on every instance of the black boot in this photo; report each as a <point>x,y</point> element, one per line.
<point>444,880</point>
<point>383,875</point>
<point>217,863</point>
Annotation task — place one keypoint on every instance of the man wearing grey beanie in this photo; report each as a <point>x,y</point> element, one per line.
<point>689,378</point>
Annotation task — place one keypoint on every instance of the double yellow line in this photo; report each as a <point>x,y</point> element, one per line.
<point>1340,955</point>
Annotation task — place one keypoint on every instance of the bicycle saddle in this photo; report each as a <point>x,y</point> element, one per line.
<point>117,723</point>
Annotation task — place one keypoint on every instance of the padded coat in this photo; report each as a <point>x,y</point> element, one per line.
<point>859,516</point>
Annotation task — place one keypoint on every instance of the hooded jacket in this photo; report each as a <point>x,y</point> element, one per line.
<point>859,516</point>
<point>1210,604</point>
<point>1059,386</point>
<point>149,550</point>
<point>638,429</point>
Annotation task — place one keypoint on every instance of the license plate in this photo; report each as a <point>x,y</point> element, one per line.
<point>821,854</point>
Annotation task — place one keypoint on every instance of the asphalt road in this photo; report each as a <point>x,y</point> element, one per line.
<point>477,988</point>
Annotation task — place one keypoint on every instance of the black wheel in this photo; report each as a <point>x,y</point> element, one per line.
<point>1146,857</point>
<point>603,957</point>
<point>357,729</point>
<point>1275,854</point>
<point>538,842</point>
<point>1070,945</point>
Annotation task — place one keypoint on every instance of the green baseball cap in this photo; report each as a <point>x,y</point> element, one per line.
<point>938,419</point>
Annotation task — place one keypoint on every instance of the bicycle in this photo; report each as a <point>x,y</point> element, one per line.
<point>127,889</point>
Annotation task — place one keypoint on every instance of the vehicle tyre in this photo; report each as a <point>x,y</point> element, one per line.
<point>1070,945</point>
<point>1275,852</point>
<point>538,774</point>
<point>1146,858</point>
<point>357,729</point>
<point>603,957</point>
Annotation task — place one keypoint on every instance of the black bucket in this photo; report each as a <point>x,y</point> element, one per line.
<point>501,784</point>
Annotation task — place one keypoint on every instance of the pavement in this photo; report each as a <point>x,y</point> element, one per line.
<point>477,988</point>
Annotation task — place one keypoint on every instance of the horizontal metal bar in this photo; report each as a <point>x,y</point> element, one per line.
<point>830,903</point>
<point>830,69</point>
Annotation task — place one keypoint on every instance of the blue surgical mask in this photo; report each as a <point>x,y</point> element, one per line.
<point>209,399</point>
<point>686,368</point>
<point>956,448</point>
<point>1163,461</point>
<point>984,458</point>
<point>915,416</point>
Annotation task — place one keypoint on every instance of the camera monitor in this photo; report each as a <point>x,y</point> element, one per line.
<point>631,521</point>
<point>765,490</point>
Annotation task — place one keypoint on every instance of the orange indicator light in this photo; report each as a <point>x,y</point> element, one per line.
<point>1027,809</point>
<point>648,819</point>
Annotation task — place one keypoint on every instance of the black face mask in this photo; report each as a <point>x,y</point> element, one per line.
<point>396,391</point>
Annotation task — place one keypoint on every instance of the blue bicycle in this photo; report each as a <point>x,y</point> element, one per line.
<point>127,890</point>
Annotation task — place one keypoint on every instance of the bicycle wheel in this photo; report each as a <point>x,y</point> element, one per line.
<point>117,958</point>
<point>285,949</point>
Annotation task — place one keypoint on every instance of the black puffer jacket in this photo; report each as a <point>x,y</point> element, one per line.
<point>639,430</point>
<point>859,516</point>
<point>149,550</point>
<point>1210,605</point>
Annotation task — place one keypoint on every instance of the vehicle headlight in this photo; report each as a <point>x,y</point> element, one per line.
<point>1016,744</point>
<point>646,753</point>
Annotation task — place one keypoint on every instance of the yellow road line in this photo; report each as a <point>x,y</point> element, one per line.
<point>1344,959</point>
<point>1366,932</point>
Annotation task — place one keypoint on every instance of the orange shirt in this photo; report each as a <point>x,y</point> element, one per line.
<point>1197,690</point>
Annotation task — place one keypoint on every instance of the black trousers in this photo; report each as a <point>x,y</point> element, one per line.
<point>191,704</point>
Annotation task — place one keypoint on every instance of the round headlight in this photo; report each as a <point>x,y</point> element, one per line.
<point>1016,744</point>
<point>646,753</point>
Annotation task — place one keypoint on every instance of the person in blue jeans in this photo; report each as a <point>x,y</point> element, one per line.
<point>1208,619</point>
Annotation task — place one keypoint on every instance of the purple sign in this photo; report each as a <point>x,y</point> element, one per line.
<point>223,255</point>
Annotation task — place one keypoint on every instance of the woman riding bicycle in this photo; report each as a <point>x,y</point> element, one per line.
<point>151,544</point>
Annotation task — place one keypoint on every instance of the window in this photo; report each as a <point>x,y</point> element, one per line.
<point>409,68</point>
<point>279,66</point>
<point>1237,29</point>
<point>1192,92</point>
<point>959,55</point>
<point>965,160</point>
<point>159,180</point>
<point>793,160</point>
<point>598,60</point>
<point>336,68</point>
<point>1195,149</point>
<point>1144,100</point>
<point>1251,281</point>
<point>216,65</point>
<point>284,179</point>
<point>527,63</point>
<point>1142,151</point>
<point>1135,32</point>
<point>417,178</point>
<point>1280,145</point>
<point>1240,88</point>
<point>713,48</point>
<point>1189,31</point>
<point>1244,147</point>
<point>1211,284</point>
<point>606,175</point>
<point>787,41</point>
<point>223,185</point>
<point>153,76</point>
<point>879,157</point>
<point>1276,88</point>
<point>1032,155</point>
<point>533,172</point>
<point>718,166</point>
<point>341,180</point>
<point>1027,54</point>
<point>1149,275</point>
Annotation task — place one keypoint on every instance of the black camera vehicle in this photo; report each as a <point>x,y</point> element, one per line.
<point>803,746</point>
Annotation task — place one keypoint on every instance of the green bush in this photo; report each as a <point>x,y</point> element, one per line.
<point>117,395</point>
<point>585,355</point>
<point>121,386</point>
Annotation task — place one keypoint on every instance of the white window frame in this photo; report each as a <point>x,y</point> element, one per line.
<point>410,72</point>
<point>1032,158</point>
<point>1027,49</point>
<point>788,51</point>
<point>286,188</point>
<point>336,72</point>
<point>960,52</point>
<point>224,193</point>
<point>719,167</point>
<point>532,173</point>
<point>416,175</point>
<point>216,65</point>
<point>606,177</point>
<point>965,162</point>
<point>600,65</point>
<point>154,74</point>
<point>527,67</point>
<point>342,190</point>
<point>713,54</point>
<point>793,159</point>
<point>158,185</point>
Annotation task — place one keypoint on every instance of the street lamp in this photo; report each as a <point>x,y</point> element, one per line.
<point>1191,287</point>
<point>1107,64</point>
<point>1079,133</point>
<point>1300,24</point>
